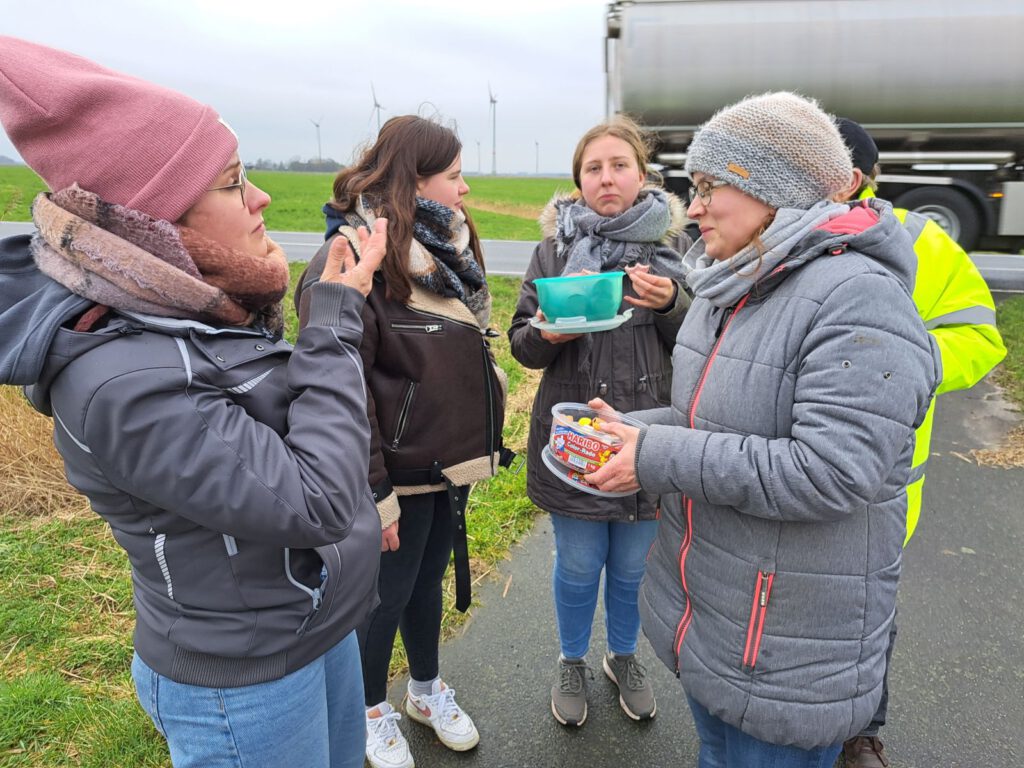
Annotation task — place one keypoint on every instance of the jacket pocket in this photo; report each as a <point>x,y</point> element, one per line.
<point>226,353</point>
<point>405,409</point>
<point>758,610</point>
<point>431,327</point>
<point>653,388</point>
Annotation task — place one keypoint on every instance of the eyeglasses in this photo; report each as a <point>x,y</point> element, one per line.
<point>240,185</point>
<point>703,189</point>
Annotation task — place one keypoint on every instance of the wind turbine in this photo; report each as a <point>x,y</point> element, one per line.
<point>494,131</point>
<point>376,105</point>
<point>319,155</point>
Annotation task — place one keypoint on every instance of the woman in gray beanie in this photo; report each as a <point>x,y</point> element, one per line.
<point>799,376</point>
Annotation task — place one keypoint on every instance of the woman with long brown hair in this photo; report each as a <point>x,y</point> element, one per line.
<point>435,402</point>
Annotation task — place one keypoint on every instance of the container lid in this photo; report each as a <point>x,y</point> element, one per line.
<point>562,412</point>
<point>581,324</point>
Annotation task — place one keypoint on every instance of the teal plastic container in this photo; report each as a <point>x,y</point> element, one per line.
<point>589,297</point>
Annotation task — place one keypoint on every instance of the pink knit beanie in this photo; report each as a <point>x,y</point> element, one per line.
<point>131,142</point>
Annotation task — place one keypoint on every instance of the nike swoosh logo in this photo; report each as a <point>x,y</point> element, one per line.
<point>425,711</point>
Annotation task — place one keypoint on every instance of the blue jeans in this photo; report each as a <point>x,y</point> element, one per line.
<point>723,746</point>
<point>582,549</point>
<point>313,717</point>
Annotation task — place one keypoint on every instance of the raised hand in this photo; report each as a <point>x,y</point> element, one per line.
<point>341,266</point>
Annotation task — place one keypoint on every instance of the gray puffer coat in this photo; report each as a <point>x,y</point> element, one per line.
<point>782,464</point>
<point>629,367</point>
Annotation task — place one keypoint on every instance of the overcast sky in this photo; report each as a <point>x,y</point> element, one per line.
<point>271,67</point>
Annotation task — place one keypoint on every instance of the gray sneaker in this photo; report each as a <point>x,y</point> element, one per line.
<point>569,693</point>
<point>636,696</point>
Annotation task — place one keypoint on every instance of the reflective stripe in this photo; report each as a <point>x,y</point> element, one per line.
<point>978,315</point>
<point>357,361</point>
<point>161,558</point>
<point>74,439</point>
<point>916,473</point>
<point>230,545</point>
<point>245,386</point>
<point>185,358</point>
<point>314,594</point>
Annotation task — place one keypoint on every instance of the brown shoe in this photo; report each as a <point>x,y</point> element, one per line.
<point>864,752</point>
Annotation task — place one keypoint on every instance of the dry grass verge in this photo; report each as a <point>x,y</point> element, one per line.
<point>33,474</point>
<point>1007,456</point>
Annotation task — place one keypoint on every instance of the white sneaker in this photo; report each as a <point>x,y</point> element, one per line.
<point>386,747</point>
<point>438,709</point>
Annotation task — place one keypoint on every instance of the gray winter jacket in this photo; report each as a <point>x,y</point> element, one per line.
<point>230,467</point>
<point>782,464</point>
<point>629,367</point>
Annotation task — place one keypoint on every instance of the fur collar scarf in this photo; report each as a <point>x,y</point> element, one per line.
<point>124,259</point>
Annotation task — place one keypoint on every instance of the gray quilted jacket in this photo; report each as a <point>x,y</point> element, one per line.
<point>782,464</point>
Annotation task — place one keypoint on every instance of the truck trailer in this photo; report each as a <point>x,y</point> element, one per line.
<point>939,84</point>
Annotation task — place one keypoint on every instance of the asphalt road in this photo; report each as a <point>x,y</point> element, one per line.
<point>958,672</point>
<point>510,257</point>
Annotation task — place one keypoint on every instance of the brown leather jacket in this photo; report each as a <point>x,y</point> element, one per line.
<point>436,398</point>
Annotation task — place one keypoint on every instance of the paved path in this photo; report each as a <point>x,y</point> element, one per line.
<point>958,673</point>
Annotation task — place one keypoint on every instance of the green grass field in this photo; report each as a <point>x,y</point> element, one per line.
<point>503,207</point>
<point>1010,321</point>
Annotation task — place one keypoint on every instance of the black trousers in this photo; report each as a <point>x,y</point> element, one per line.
<point>410,594</point>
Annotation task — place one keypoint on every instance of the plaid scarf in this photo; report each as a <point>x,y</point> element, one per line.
<point>444,262</point>
<point>440,258</point>
<point>124,259</point>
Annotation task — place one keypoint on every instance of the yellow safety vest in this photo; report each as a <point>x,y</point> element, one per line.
<point>957,309</point>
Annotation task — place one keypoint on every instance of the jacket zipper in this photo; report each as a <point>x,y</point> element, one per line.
<point>403,415</point>
<point>684,546</point>
<point>755,627</point>
<point>490,403</point>
<point>419,327</point>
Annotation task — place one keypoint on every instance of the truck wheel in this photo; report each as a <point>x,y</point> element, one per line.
<point>951,210</point>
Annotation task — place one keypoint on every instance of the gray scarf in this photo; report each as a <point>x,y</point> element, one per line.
<point>725,282</point>
<point>602,243</point>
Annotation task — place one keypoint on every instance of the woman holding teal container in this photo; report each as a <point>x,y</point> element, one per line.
<point>615,222</point>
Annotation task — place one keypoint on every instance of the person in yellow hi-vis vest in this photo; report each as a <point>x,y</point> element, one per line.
<point>957,309</point>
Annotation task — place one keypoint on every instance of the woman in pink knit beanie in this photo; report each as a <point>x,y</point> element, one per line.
<point>144,317</point>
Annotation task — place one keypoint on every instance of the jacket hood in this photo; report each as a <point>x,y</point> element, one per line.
<point>548,218</point>
<point>869,227</point>
<point>33,307</point>
<point>797,237</point>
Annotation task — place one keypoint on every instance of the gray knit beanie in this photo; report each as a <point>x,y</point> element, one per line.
<point>778,147</point>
